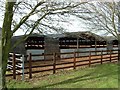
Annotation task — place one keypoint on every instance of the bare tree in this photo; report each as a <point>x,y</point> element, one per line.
<point>101,16</point>
<point>20,16</point>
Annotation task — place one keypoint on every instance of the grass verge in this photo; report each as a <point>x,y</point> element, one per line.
<point>100,76</point>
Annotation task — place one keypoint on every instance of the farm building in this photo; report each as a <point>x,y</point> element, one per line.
<point>53,43</point>
<point>111,42</point>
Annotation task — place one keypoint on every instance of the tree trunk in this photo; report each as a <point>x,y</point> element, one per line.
<point>6,38</point>
<point>5,54</point>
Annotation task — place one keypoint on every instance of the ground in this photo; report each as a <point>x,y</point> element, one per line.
<point>62,61</point>
<point>99,76</point>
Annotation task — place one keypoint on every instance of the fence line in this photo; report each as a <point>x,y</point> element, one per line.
<point>55,64</point>
<point>15,64</point>
<point>14,68</point>
<point>101,56</point>
<point>74,60</point>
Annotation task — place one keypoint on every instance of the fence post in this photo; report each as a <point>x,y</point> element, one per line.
<point>54,63</point>
<point>14,66</point>
<point>74,61</point>
<point>30,66</point>
<point>118,54</point>
<point>23,59</point>
<point>89,58</point>
<point>101,56</point>
<point>110,55</point>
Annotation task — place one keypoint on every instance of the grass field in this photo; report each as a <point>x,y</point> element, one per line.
<point>0,65</point>
<point>100,76</point>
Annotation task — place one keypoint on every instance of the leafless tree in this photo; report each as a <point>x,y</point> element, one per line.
<point>101,16</point>
<point>30,16</point>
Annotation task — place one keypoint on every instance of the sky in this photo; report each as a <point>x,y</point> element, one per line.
<point>74,25</point>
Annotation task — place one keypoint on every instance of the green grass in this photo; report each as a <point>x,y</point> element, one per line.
<point>0,65</point>
<point>100,76</point>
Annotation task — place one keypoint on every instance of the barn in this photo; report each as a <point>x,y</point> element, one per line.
<point>53,43</point>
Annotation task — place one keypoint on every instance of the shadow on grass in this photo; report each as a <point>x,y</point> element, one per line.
<point>88,76</point>
<point>80,78</point>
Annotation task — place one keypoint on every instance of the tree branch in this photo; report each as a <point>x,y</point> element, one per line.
<point>26,17</point>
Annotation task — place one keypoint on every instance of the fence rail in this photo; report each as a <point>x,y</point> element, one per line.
<point>18,66</point>
<point>15,64</point>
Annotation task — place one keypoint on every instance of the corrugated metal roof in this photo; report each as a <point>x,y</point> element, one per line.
<point>85,35</point>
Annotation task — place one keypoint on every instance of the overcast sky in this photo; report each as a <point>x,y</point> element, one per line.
<point>74,25</point>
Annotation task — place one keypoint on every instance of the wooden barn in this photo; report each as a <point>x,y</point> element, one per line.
<point>52,43</point>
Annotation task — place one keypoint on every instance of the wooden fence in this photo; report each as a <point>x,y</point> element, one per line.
<point>16,62</point>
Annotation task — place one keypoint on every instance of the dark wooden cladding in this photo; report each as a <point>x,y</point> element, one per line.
<point>34,43</point>
<point>115,42</point>
<point>65,43</point>
<point>71,42</point>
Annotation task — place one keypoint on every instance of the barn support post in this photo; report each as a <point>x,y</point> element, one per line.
<point>54,63</point>
<point>77,46</point>
<point>14,66</point>
<point>90,43</point>
<point>51,46</point>
<point>95,47</point>
<point>30,66</point>
<point>74,60</point>
<point>23,59</point>
<point>77,43</point>
<point>110,55</point>
<point>89,58</point>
